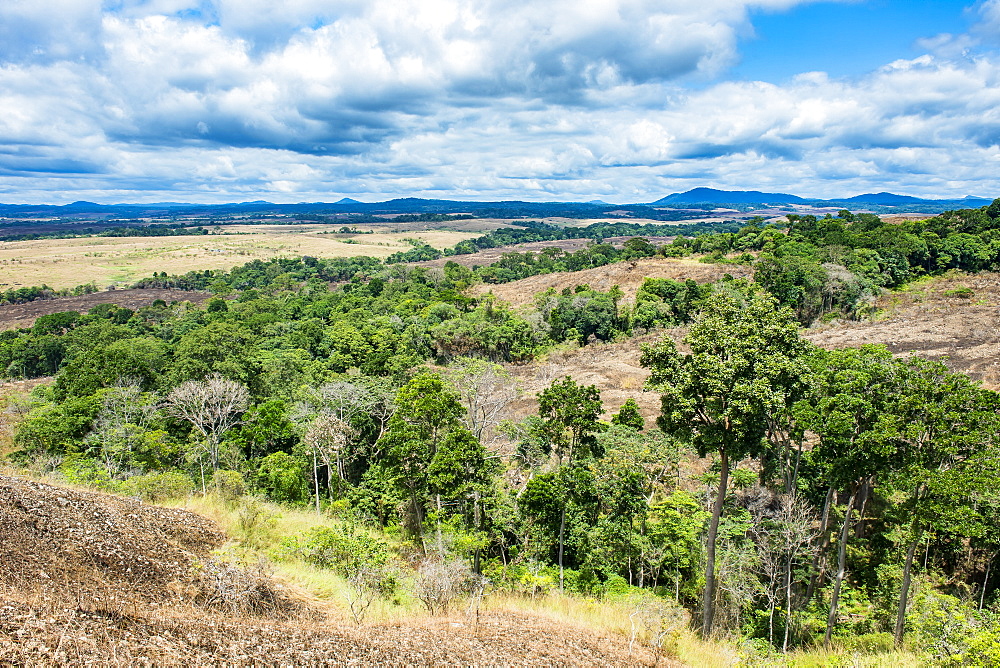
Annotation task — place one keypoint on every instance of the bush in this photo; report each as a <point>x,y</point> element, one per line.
<point>155,487</point>
<point>228,485</point>
<point>340,548</point>
<point>87,472</point>
<point>439,583</point>
<point>254,521</point>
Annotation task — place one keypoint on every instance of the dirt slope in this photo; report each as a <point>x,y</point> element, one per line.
<point>925,320</point>
<point>92,579</point>
<point>98,546</point>
<point>627,275</point>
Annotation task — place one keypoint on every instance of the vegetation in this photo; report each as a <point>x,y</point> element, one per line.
<point>844,498</point>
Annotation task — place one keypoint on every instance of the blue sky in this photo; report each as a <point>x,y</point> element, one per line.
<point>843,39</point>
<point>620,100</point>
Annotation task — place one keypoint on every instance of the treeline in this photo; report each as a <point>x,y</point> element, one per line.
<point>155,230</point>
<point>34,293</point>
<point>840,264</point>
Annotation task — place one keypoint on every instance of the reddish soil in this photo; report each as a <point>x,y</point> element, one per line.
<point>93,579</point>
<point>13,316</point>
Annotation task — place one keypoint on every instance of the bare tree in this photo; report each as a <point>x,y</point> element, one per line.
<point>123,420</point>
<point>485,389</point>
<point>213,406</point>
<point>346,400</point>
<point>327,438</point>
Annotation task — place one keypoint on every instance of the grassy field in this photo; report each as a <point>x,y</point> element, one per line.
<point>65,263</point>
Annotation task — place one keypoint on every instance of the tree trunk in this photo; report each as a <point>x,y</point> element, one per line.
<point>316,481</point>
<point>818,569</point>
<point>986,581</point>
<point>788,600</point>
<point>904,594</point>
<point>562,530</point>
<point>708,602</point>
<point>831,620</point>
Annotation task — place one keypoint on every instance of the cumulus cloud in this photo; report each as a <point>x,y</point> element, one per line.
<point>618,99</point>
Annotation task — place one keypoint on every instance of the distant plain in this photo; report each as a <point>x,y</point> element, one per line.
<point>66,263</point>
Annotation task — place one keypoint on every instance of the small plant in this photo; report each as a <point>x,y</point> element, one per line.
<point>243,589</point>
<point>440,582</point>
<point>228,485</point>
<point>658,623</point>
<point>254,522</point>
<point>962,292</point>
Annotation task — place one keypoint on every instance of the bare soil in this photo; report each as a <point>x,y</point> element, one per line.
<point>93,579</point>
<point>626,275</point>
<point>924,320</point>
<point>13,316</point>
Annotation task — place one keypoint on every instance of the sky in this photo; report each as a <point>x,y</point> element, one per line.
<point>575,100</point>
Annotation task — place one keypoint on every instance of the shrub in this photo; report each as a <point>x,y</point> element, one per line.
<point>440,582</point>
<point>86,472</point>
<point>243,589</point>
<point>254,521</point>
<point>868,643</point>
<point>229,485</point>
<point>341,548</point>
<point>155,487</point>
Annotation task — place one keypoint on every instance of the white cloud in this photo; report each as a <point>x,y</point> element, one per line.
<point>176,99</point>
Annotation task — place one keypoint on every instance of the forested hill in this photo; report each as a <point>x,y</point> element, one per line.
<point>786,495</point>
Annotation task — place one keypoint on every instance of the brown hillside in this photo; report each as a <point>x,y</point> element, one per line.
<point>13,316</point>
<point>626,275</point>
<point>93,579</point>
<point>925,320</point>
<point>58,540</point>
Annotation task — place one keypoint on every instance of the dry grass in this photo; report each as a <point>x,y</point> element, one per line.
<point>64,263</point>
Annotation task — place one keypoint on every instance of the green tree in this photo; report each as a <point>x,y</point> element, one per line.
<point>854,413</point>
<point>433,457</point>
<point>746,363</point>
<point>570,415</point>
<point>628,415</point>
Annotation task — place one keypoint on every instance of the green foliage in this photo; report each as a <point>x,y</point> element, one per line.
<point>569,415</point>
<point>228,485</point>
<point>282,478</point>
<point>343,548</point>
<point>628,415</point>
<point>158,487</point>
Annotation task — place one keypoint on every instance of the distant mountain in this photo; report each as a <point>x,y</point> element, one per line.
<point>347,200</point>
<point>885,199</point>
<point>713,196</point>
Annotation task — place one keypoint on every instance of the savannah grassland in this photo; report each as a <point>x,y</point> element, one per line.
<point>66,263</point>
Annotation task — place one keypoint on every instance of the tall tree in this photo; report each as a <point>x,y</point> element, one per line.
<point>854,412</point>
<point>746,363</point>
<point>213,406</point>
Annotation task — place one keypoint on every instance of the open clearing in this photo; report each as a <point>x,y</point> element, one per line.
<point>94,579</point>
<point>923,319</point>
<point>626,275</point>
<point>13,316</point>
<point>66,263</point>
